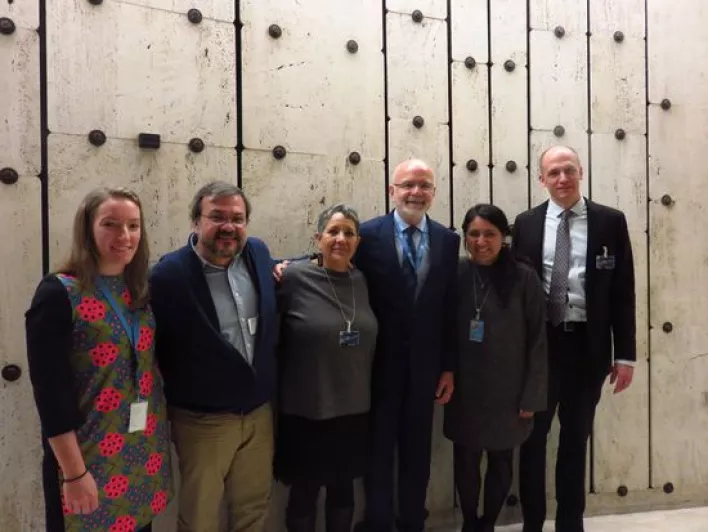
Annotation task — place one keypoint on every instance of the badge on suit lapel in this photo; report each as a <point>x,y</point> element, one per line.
<point>605,261</point>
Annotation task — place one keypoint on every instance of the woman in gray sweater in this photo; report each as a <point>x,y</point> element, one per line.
<point>502,369</point>
<point>327,339</point>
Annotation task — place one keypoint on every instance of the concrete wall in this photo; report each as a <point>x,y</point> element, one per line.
<point>494,82</point>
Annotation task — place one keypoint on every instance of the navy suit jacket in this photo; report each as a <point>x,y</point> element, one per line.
<point>202,370</point>
<point>609,293</point>
<point>416,339</point>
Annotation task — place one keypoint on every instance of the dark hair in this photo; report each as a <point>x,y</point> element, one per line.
<point>490,213</point>
<point>216,189</point>
<point>345,210</point>
<point>83,257</point>
<point>504,272</point>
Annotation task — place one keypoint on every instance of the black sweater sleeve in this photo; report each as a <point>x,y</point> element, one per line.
<point>48,326</point>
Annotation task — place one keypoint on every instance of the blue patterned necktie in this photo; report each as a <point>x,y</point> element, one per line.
<point>558,292</point>
<point>410,274</point>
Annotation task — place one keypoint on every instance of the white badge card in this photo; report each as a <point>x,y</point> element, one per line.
<point>138,416</point>
<point>253,325</point>
<point>605,261</point>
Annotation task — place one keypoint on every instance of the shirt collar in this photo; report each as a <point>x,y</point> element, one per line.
<point>402,225</point>
<point>206,263</point>
<point>555,210</point>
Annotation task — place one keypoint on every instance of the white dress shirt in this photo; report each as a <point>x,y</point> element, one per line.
<point>576,309</point>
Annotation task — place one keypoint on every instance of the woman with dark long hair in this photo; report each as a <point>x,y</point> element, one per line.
<point>502,366</point>
<point>97,387</point>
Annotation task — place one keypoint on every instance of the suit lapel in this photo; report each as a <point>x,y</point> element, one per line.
<point>536,234</point>
<point>593,230</point>
<point>387,236</point>
<point>252,267</point>
<point>435,245</point>
<point>200,289</point>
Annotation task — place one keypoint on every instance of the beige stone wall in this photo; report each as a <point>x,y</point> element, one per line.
<point>493,82</point>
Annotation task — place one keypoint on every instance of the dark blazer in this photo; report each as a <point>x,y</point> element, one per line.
<point>609,293</point>
<point>416,340</point>
<point>202,370</point>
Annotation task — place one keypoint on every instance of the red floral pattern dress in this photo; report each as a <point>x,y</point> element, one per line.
<point>133,471</point>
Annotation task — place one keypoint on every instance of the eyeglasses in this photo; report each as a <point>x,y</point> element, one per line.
<point>219,219</point>
<point>425,187</point>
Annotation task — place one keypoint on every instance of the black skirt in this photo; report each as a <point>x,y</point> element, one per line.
<point>321,451</point>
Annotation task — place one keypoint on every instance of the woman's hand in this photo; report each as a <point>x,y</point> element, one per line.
<point>523,414</point>
<point>81,496</point>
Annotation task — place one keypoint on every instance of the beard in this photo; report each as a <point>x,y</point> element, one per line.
<point>223,252</point>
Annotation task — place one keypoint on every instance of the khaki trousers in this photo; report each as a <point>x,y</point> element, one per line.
<point>223,455</point>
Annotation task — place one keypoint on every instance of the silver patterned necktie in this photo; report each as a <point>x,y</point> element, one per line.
<point>558,292</point>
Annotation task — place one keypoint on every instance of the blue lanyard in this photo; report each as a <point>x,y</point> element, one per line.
<point>132,330</point>
<point>407,251</point>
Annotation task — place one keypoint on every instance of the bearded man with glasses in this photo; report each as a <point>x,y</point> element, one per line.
<point>214,303</point>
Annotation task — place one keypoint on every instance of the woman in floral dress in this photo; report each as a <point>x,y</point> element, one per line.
<point>96,384</point>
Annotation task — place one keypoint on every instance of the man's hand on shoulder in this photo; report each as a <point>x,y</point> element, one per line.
<point>279,269</point>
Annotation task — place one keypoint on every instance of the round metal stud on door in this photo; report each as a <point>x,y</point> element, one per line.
<point>622,491</point>
<point>194,16</point>
<point>509,65</point>
<point>559,131</point>
<point>354,158</point>
<point>7,26</point>
<point>417,16</point>
<point>618,36</point>
<point>470,62</point>
<point>418,122</point>
<point>667,200</point>
<point>9,176</point>
<point>559,32</point>
<point>620,134</point>
<point>95,2</point>
<point>97,137</point>
<point>668,488</point>
<point>11,372</point>
<point>512,500</point>
<point>352,47</point>
<point>274,31</point>
<point>667,327</point>
<point>666,104</point>
<point>511,167</point>
<point>279,152</point>
<point>196,145</point>
<point>472,165</point>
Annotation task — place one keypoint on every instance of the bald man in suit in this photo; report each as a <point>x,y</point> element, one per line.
<point>582,252</point>
<point>410,264</point>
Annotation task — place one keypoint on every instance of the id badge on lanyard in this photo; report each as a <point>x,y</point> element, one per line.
<point>139,408</point>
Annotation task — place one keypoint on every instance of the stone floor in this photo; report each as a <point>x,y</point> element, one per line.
<point>688,520</point>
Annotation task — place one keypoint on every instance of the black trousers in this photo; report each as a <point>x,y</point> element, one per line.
<point>468,481</point>
<point>575,384</point>
<point>302,501</point>
<point>400,422</point>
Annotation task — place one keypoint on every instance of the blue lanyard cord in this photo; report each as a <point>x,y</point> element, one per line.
<point>422,246</point>
<point>132,329</point>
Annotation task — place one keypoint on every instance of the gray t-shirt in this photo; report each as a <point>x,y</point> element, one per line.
<point>319,378</point>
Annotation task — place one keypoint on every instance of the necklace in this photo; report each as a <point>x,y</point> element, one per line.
<point>339,304</point>
<point>479,306</point>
